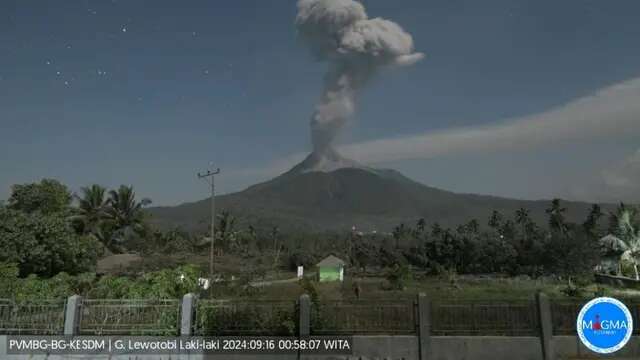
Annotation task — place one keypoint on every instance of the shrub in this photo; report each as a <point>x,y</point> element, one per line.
<point>398,276</point>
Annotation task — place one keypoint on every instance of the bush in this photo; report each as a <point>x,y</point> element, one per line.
<point>300,258</point>
<point>164,284</point>
<point>44,244</point>
<point>398,276</point>
<point>572,290</point>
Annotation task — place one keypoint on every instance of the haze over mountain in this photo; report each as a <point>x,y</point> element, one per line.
<point>321,194</point>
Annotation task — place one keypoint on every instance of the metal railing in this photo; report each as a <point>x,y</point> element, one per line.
<point>130,317</point>
<point>44,317</point>
<point>565,313</point>
<point>277,317</point>
<point>264,317</point>
<point>484,318</point>
<point>364,317</point>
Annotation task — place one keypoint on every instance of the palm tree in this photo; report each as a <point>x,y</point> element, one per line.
<point>398,233</point>
<point>473,226</point>
<point>92,210</point>
<point>522,218</point>
<point>627,237</point>
<point>226,229</point>
<point>125,214</point>
<point>591,224</point>
<point>556,216</point>
<point>421,225</point>
<point>436,229</point>
<point>496,220</point>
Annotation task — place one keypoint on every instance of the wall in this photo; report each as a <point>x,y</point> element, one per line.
<point>406,348</point>
<point>570,346</point>
<point>329,273</point>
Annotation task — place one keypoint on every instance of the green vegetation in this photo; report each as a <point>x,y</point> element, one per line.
<point>50,241</point>
<point>35,232</point>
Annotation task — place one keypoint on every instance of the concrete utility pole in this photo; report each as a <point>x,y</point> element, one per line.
<point>209,176</point>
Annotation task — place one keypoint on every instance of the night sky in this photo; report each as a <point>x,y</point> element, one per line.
<point>147,93</point>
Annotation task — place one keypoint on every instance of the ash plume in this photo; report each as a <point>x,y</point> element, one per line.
<point>355,47</point>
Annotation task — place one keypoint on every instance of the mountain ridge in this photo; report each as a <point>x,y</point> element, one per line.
<point>367,198</point>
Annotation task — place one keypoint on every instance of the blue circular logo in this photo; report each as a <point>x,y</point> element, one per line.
<point>604,325</point>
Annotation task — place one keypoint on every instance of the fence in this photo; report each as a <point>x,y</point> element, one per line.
<point>37,318</point>
<point>134,317</point>
<point>364,317</point>
<point>214,317</point>
<point>564,315</point>
<point>485,318</point>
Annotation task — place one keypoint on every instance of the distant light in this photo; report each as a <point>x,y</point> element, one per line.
<point>124,29</point>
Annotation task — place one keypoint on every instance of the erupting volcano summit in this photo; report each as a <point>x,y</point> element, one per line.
<point>355,47</point>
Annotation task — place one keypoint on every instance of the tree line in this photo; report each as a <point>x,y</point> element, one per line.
<point>45,230</point>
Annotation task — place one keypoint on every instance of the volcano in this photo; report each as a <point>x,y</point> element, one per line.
<point>328,192</point>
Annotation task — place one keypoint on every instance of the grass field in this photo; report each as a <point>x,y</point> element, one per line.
<point>445,287</point>
<point>438,289</point>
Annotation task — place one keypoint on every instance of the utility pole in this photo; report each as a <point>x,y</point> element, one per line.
<point>209,176</point>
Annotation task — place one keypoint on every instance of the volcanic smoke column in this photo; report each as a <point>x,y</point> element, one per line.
<point>341,33</point>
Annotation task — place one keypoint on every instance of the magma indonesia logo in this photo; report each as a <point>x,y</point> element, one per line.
<point>604,325</point>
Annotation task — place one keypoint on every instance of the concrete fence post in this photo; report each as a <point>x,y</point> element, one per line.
<point>424,326</point>
<point>546,325</point>
<point>72,315</point>
<point>304,313</point>
<point>187,314</point>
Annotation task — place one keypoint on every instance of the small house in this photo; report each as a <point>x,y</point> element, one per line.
<point>331,269</point>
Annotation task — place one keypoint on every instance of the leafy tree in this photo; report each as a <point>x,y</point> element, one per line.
<point>44,244</point>
<point>573,252</point>
<point>47,196</point>
<point>300,258</point>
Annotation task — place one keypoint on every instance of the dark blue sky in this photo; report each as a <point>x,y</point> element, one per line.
<point>148,92</point>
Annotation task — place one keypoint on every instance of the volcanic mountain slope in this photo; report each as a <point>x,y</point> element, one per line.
<point>307,198</point>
